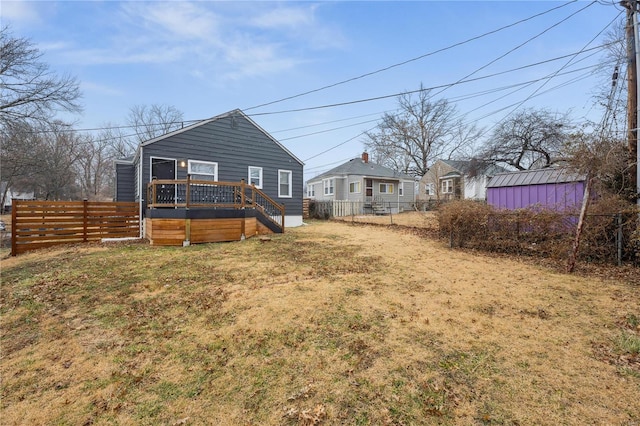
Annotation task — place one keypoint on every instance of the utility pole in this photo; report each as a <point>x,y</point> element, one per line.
<point>632,98</point>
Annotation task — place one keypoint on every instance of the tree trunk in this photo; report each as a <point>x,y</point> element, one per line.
<point>571,264</point>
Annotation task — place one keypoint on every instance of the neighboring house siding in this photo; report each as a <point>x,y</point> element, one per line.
<point>557,196</point>
<point>432,177</point>
<point>475,188</point>
<point>125,182</point>
<point>234,143</point>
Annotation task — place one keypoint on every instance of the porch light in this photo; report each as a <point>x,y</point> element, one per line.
<point>182,164</point>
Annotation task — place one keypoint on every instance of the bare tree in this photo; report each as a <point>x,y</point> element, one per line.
<point>57,153</point>
<point>18,161</point>
<point>529,139</point>
<point>95,168</point>
<point>423,131</point>
<point>155,120</point>
<point>30,91</point>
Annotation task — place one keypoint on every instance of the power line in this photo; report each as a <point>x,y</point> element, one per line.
<point>555,74</point>
<point>409,60</point>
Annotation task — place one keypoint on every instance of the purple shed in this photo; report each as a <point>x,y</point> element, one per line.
<point>552,188</point>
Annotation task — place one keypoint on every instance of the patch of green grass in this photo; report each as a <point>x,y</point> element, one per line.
<point>627,343</point>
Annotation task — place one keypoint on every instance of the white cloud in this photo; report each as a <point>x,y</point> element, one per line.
<point>287,17</point>
<point>220,40</point>
<point>183,20</point>
<point>19,12</point>
<point>101,89</point>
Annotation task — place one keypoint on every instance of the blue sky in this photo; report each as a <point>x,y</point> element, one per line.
<point>209,57</point>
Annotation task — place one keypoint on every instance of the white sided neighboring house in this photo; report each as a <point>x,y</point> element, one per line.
<point>361,181</point>
<point>13,194</point>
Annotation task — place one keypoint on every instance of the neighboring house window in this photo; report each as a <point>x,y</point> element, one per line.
<point>284,183</point>
<point>355,187</point>
<point>386,188</point>
<point>401,189</point>
<point>430,189</point>
<point>328,186</point>
<point>447,186</point>
<point>311,191</point>
<point>255,176</point>
<point>203,170</point>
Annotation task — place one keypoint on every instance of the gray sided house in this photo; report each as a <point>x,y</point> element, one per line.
<point>359,180</point>
<point>550,188</point>
<point>456,180</point>
<point>227,148</point>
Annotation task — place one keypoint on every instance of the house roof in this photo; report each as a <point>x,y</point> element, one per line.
<point>535,177</point>
<point>210,120</point>
<point>357,166</point>
<point>475,167</point>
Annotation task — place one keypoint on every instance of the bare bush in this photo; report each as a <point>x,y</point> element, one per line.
<point>609,231</point>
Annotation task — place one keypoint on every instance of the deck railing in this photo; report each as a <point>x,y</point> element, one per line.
<point>192,193</point>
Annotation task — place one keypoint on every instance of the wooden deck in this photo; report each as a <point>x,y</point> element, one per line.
<point>184,212</point>
<point>178,231</point>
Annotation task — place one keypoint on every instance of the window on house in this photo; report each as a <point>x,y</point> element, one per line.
<point>355,187</point>
<point>328,185</point>
<point>386,188</point>
<point>255,176</point>
<point>401,189</point>
<point>311,191</point>
<point>447,186</point>
<point>284,183</point>
<point>430,189</point>
<point>203,170</point>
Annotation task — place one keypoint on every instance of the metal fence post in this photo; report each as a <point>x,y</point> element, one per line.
<point>619,237</point>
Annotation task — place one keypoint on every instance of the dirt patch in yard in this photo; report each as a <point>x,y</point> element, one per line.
<point>327,324</point>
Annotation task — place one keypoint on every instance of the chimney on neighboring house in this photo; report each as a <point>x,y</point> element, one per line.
<point>365,157</point>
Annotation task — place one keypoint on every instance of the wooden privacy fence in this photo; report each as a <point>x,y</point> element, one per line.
<point>39,224</point>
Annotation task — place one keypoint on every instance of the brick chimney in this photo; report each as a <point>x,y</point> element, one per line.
<point>365,157</point>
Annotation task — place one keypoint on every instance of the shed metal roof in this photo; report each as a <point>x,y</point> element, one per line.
<point>534,177</point>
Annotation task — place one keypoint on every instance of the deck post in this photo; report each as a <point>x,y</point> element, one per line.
<point>243,187</point>
<point>188,191</point>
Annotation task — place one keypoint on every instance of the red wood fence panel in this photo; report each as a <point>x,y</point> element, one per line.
<point>39,224</point>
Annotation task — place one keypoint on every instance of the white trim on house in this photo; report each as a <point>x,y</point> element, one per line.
<point>175,168</point>
<point>249,179</point>
<point>289,184</point>
<point>329,186</point>
<point>198,173</point>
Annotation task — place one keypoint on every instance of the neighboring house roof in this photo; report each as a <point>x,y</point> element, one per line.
<point>535,177</point>
<point>126,160</point>
<point>357,166</point>
<point>210,120</point>
<point>475,167</point>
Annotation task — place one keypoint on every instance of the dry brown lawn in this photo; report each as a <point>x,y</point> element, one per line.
<point>327,324</point>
